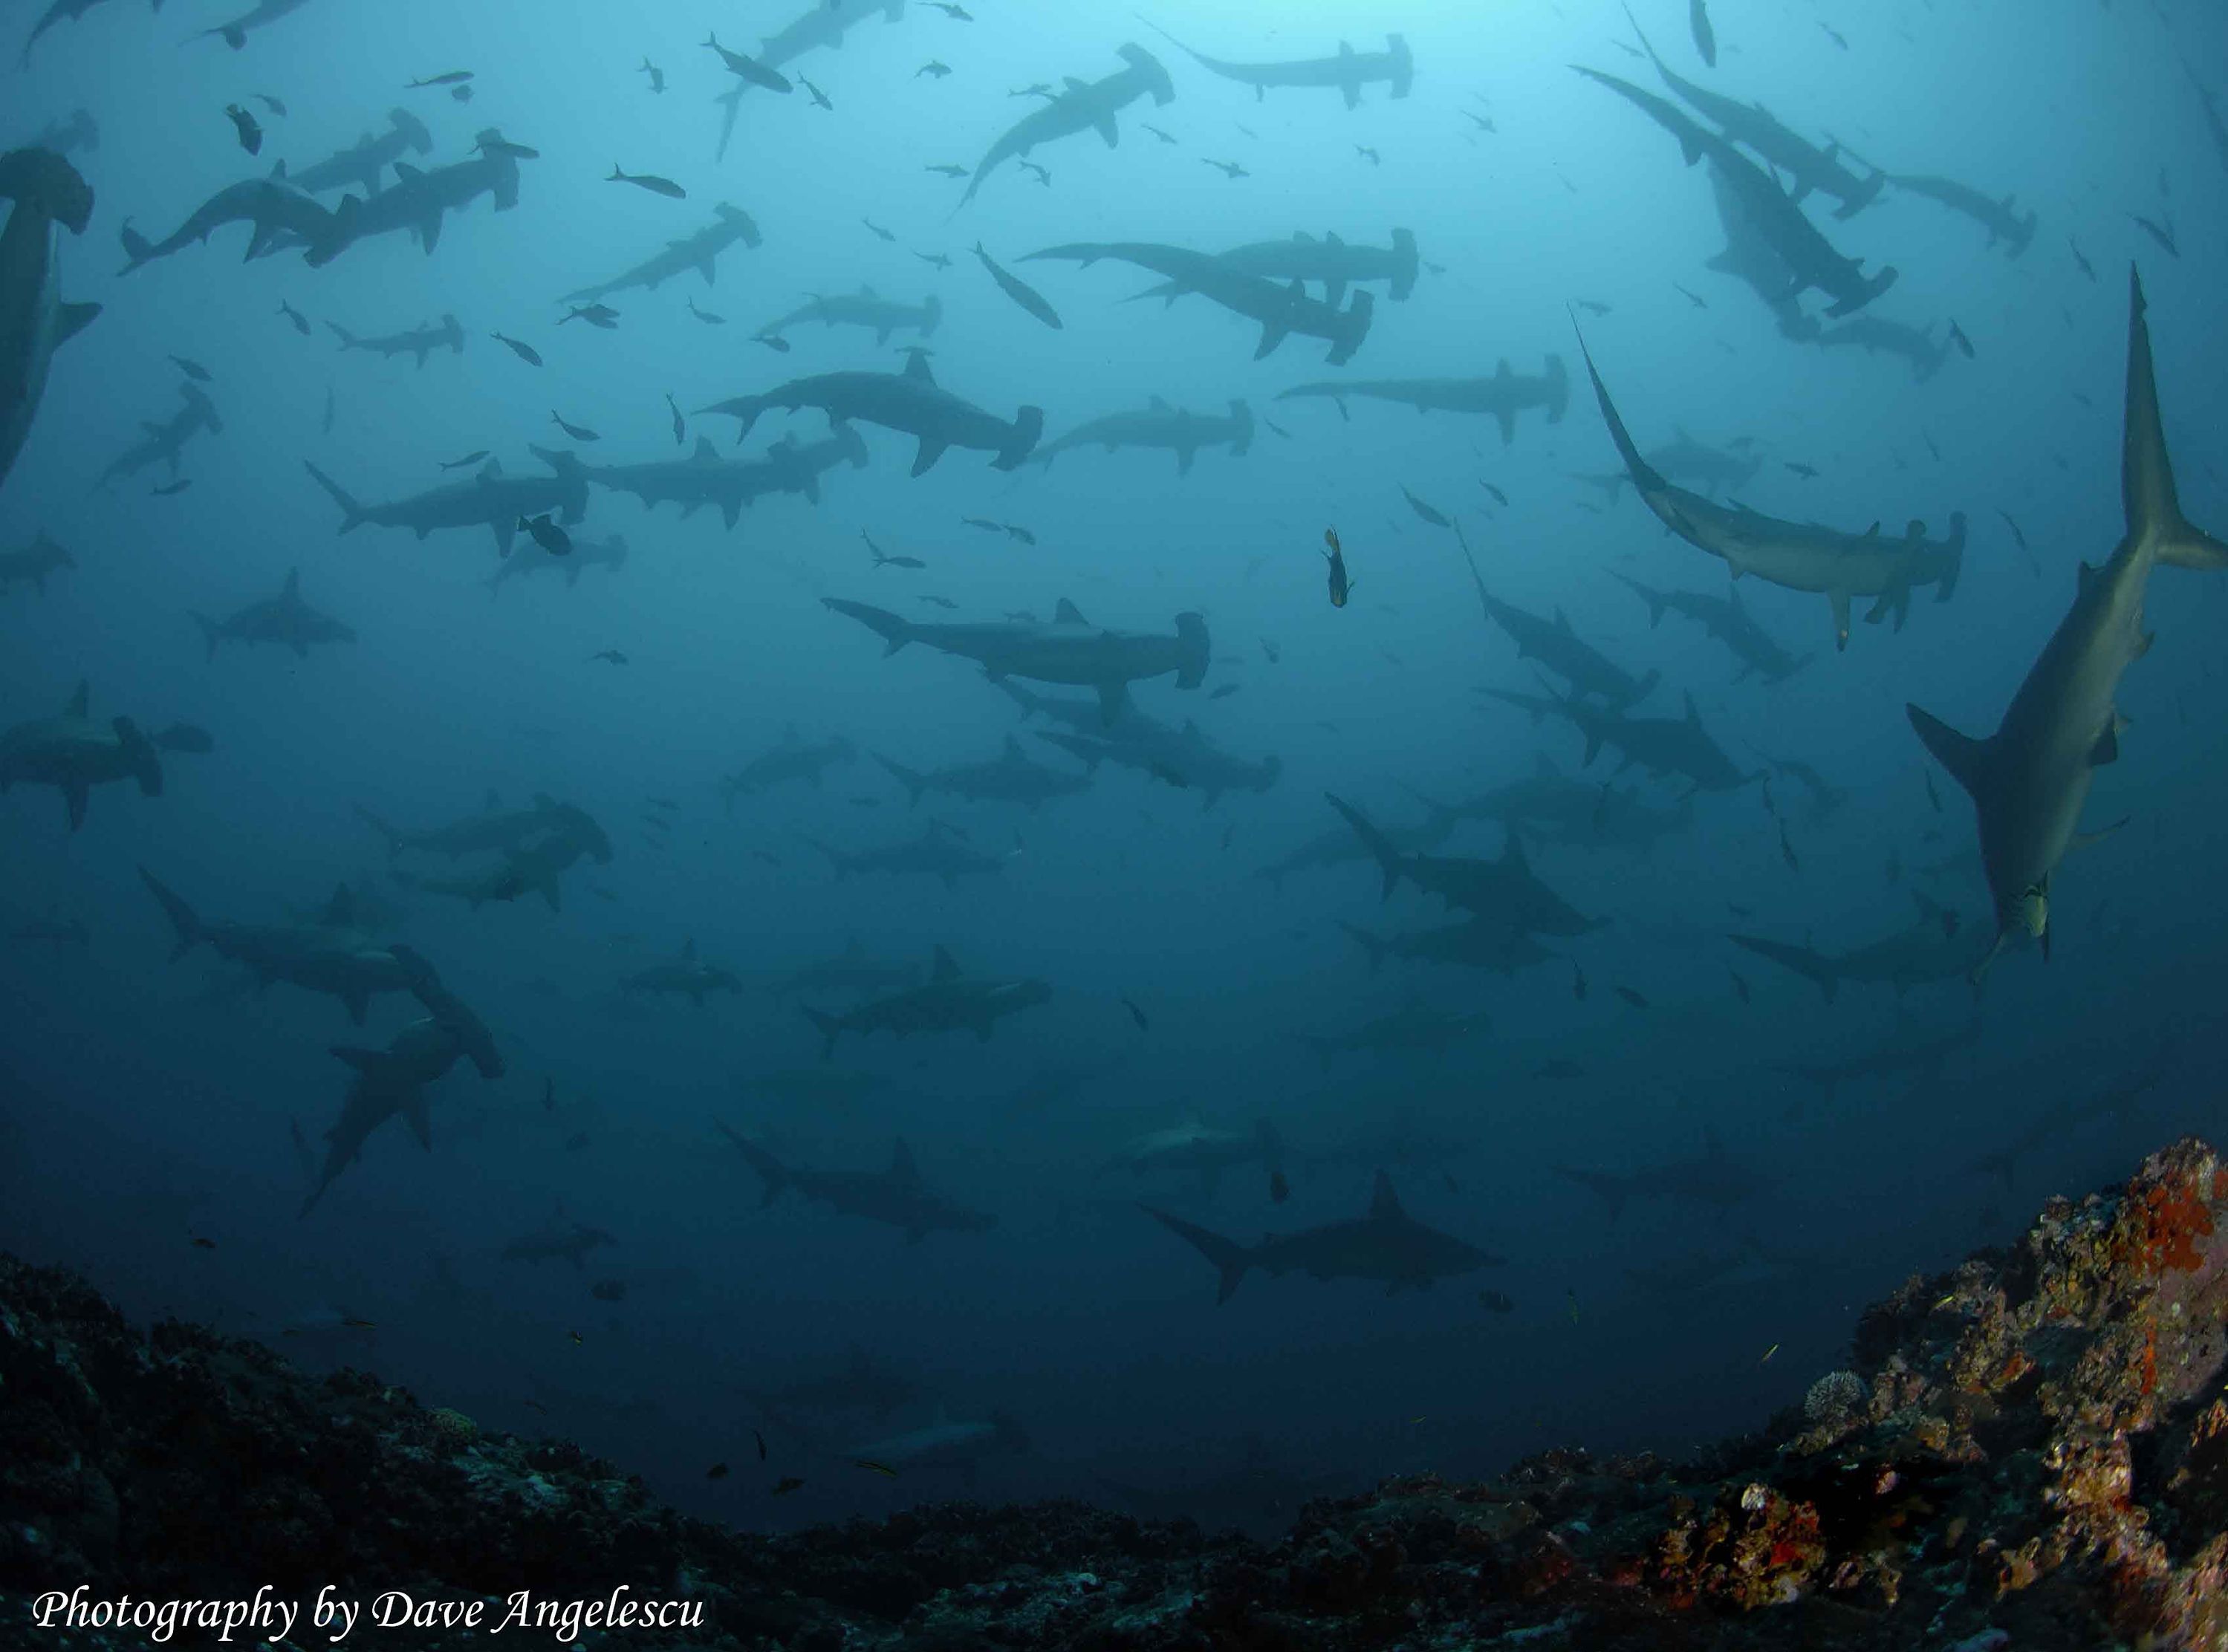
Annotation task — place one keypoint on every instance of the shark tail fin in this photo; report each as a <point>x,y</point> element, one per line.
<point>912,780</point>
<point>1644,475</point>
<point>1231,1260</point>
<point>1946,587</point>
<point>1613,1190</point>
<point>140,753</point>
<point>1197,649</point>
<point>2147,489</point>
<point>894,630</point>
<point>1558,378</point>
<point>771,1171</point>
<point>1354,327</point>
<point>182,918</point>
<point>831,1028</point>
<point>211,633</point>
<point>1242,419</point>
<point>352,513</point>
<point>1029,429</point>
<point>1375,946</point>
<point>932,315</point>
<point>1406,262</point>
<point>392,833</point>
<point>1965,758</point>
<point>1866,292</point>
<point>1380,848</point>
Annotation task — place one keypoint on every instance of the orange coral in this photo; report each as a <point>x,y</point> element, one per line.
<point>2175,1221</point>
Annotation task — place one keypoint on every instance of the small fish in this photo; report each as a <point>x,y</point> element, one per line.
<point>359,1325</point>
<point>454,77</point>
<point>545,532</point>
<point>577,1338</point>
<point>760,1438</point>
<point>1340,586</point>
<point>1691,296</point>
<point>2163,235</point>
<point>819,98</point>
<point>549,1095</point>
<point>1431,513</point>
<point>1278,428</point>
<point>325,425</point>
<point>1226,691</point>
<point>680,424</point>
<point>525,352</point>
<point>957,14</point>
<point>1495,1302</point>
<point>773,341</point>
<point>938,259</point>
<point>709,318</point>
<point>1577,984</point>
<point>472,457</point>
<point>1965,344</point>
<point>947,169</point>
<point>786,1484</point>
<point>1594,306</point>
<point>1041,89</point>
<point>1494,491</point>
<point>883,559</point>
<point>1836,35</point>
<point>1136,1015</point>
<point>192,369</point>
<point>1739,985</point>
<point>934,68</point>
<point>649,181</point>
<point>1632,997</point>
<point>1571,1296</point>
<point>1787,849</point>
<point>2087,269</point>
<point>872,1467</point>
<point>1369,155</point>
<point>1768,1353</point>
<point>1932,796</point>
<point>1271,652</point>
<point>1164,137</point>
<point>883,233</point>
<point>179,486</point>
<point>656,75</point>
<point>982,523</point>
<point>717,1471</point>
<point>1228,169</point>
<point>251,135</point>
<point>273,105</point>
<point>1019,291</point>
<point>202,1244</point>
<point>1808,472</point>
<point>940,602</point>
<point>1705,38</point>
<point>596,314</point>
<point>1279,1190</point>
<point>578,432</point>
<point>611,656</point>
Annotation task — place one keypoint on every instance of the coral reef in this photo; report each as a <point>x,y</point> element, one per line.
<point>2029,1452</point>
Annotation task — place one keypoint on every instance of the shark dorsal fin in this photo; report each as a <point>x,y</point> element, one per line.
<point>340,910</point>
<point>902,1168</point>
<point>1501,371</point>
<point>946,967</point>
<point>1384,1203</point>
<point>407,172</point>
<point>1513,853</point>
<point>491,470</point>
<point>704,453</point>
<point>80,701</point>
<point>689,950</point>
<point>292,590</point>
<point>1158,404</point>
<point>1331,238</point>
<point>916,366</point>
<point>1068,614</point>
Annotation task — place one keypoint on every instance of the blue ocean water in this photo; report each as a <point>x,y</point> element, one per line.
<point>149,1101</point>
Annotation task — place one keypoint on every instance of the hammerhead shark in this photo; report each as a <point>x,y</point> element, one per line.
<point>1802,556</point>
<point>1158,425</point>
<point>333,954</point>
<point>865,308</point>
<point>1082,106</point>
<point>704,478</point>
<point>1503,396</point>
<point>1282,311</point>
<point>949,1000</point>
<point>822,22</point>
<point>73,752</point>
<point>363,165</point>
<point>2029,780</point>
<point>1349,71</point>
<point>897,1197</point>
<point>1337,264</point>
<point>284,619</point>
<point>911,402</point>
<point>417,342</point>
<point>490,499</point>
<point>699,251</point>
<point>33,320</point>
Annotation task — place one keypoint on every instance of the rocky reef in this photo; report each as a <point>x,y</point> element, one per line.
<point>2029,1452</point>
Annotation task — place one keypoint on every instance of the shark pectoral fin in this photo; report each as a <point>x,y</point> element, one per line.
<point>2089,840</point>
<point>1965,758</point>
<point>71,319</point>
<point>505,532</point>
<point>1108,130</point>
<point>2107,748</point>
<point>1273,333</point>
<point>1840,601</point>
<point>359,1004</point>
<point>1506,418</point>
<point>421,1122</point>
<point>931,450</point>
<point>74,793</point>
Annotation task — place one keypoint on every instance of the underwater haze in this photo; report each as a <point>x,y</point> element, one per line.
<point>847,824</point>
